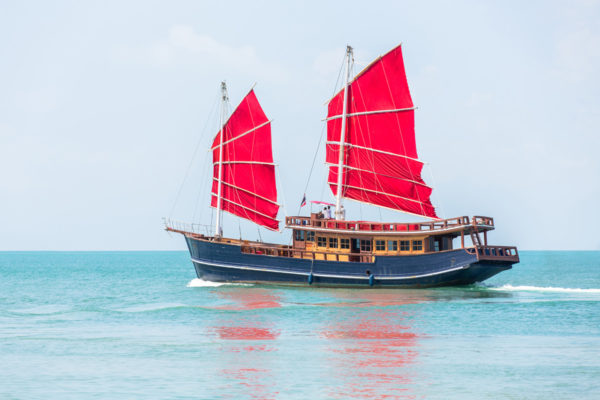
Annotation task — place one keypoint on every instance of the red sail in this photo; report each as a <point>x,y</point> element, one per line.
<point>248,173</point>
<point>380,164</point>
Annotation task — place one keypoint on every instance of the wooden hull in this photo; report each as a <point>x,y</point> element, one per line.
<point>221,262</point>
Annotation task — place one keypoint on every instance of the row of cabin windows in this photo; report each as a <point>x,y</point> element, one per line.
<point>392,245</point>
<point>344,243</point>
<point>365,244</point>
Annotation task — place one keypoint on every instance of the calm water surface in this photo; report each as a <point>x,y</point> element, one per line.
<point>136,325</point>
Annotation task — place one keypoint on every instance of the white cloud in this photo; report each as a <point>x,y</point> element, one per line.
<point>184,44</point>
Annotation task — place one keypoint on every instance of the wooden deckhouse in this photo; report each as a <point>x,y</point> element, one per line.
<point>361,241</point>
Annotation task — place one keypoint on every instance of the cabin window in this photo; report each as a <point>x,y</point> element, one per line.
<point>321,241</point>
<point>380,245</point>
<point>365,245</point>
<point>299,235</point>
<point>417,245</point>
<point>436,245</point>
<point>392,245</point>
<point>310,236</point>
<point>333,243</point>
<point>344,243</point>
<point>405,245</point>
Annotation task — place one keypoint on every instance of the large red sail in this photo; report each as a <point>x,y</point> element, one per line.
<point>248,173</point>
<point>380,163</point>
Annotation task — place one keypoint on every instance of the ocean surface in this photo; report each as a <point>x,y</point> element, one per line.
<point>137,325</point>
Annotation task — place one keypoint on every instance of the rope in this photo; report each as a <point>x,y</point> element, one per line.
<point>437,199</point>
<point>200,195</point>
<point>187,172</point>
<point>335,89</point>
<point>313,163</point>
<point>203,188</point>
<point>278,175</point>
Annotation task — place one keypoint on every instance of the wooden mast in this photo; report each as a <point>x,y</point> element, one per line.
<point>224,99</point>
<point>338,198</point>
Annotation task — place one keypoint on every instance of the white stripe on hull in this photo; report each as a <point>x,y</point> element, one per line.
<point>365,277</point>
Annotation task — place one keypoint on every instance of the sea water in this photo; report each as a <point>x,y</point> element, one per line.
<point>138,325</point>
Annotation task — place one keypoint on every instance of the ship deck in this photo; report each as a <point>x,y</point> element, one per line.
<point>454,227</point>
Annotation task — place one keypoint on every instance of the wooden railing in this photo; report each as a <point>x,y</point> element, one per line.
<point>184,227</point>
<point>385,227</point>
<point>307,254</point>
<point>505,253</point>
<point>479,220</point>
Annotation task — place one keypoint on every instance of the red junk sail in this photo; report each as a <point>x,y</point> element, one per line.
<point>248,173</point>
<point>380,164</point>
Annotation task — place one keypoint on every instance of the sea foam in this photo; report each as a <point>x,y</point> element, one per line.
<point>544,289</point>
<point>202,283</point>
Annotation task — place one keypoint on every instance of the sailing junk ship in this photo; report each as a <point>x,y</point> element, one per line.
<point>372,158</point>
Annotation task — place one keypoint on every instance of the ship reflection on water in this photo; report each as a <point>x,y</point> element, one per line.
<point>372,347</point>
<point>339,344</point>
<point>246,344</point>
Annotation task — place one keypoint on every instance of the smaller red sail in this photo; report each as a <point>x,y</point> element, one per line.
<point>380,163</point>
<point>248,187</point>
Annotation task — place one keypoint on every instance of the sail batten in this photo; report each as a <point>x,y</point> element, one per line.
<point>378,192</point>
<point>245,162</point>
<point>248,209</point>
<point>247,186</point>
<point>249,192</point>
<point>374,150</point>
<point>241,135</point>
<point>380,163</point>
<point>371,112</point>
<point>420,183</point>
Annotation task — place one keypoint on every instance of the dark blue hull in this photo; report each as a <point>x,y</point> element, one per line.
<point>220,262</point>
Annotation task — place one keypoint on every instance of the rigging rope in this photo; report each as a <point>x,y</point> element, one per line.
<point>202,191</point>
<point>201,138</point>
<point>437,198</point>
<point>313,164</point>
<point>278,175</point>
<point>335,89</point>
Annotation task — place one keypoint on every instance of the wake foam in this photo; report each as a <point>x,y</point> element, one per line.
<point>544,289</point>
<point>152,307</point>
<point>202,283</point>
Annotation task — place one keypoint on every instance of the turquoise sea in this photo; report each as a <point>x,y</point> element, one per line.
<point>137,325</point>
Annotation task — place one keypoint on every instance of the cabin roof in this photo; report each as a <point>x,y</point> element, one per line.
<point>452,226</point>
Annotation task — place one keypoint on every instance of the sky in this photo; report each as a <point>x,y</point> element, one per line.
<point>107,109</point>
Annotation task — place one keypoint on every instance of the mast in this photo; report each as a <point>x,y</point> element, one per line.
<point>376,153</point>
<point>338,197</point>
<point>224,99</point>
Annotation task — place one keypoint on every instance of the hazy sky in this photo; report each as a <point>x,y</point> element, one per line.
<point>102,104</point>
